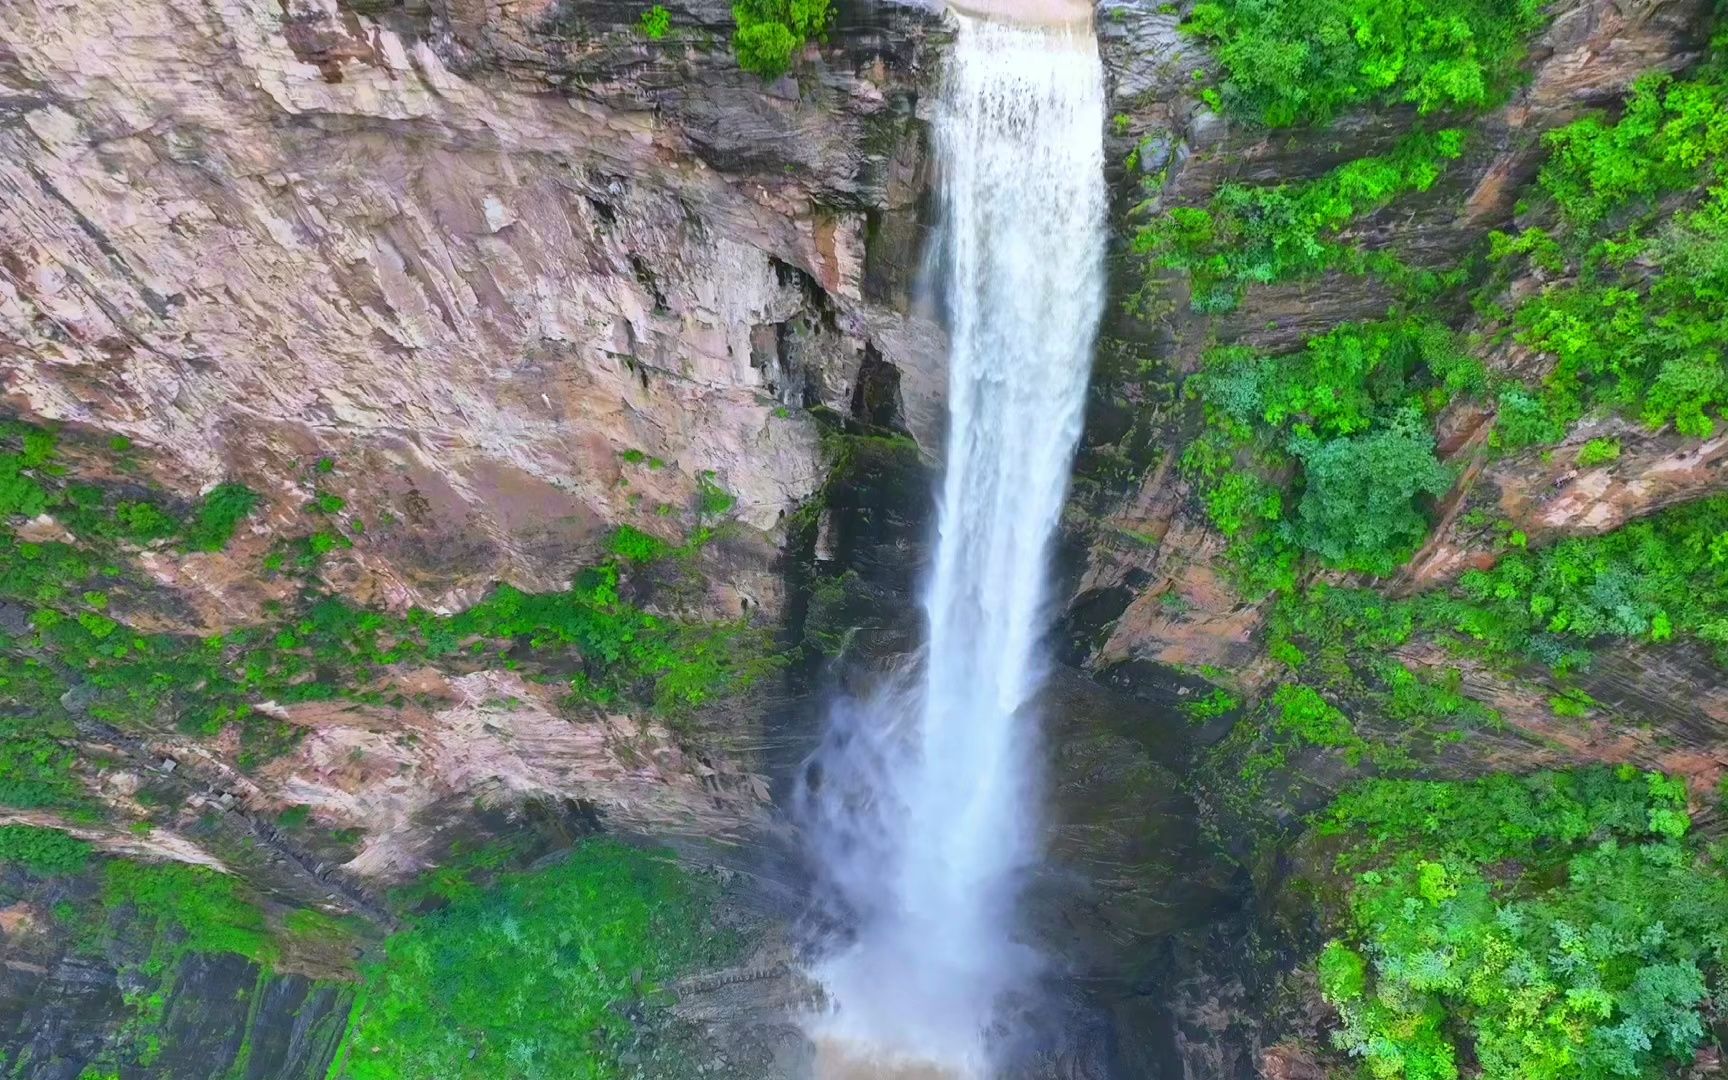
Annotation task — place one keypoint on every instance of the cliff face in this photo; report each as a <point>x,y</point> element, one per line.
<point>486,283</point>
<point>516,275</point>
<point>475,254</point>
<point>1151,537</point>
<point>1157,581</point>
<point>1151,586</point>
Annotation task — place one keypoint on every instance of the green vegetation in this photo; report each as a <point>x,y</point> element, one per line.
<point>712,500</point>
<point>1658,579</point>
<point>533,977</point>
<point>1286,232</point>
<point>1219,702</point>
<point>1654,579</point>
<point>771,32</point>
<point>219,515</point>
<point>43,852</point>
<point>1636,325</point>
<point>332,649</point>
<point>187,909</point>
<point>71,655</point>
<point>23,469</point>
<point>1598,452</point>
<point>1340,425</point>
<point>1339,381</point>
<point>633,545</point>
<point>1551,926</point>
<point>1672,135</point>
<point>1545,927</point>
<point>655,22</point>
<point>1304,61</point>
<point>1309,719</point>
<point>1358,510</point>
<point>32,482</point>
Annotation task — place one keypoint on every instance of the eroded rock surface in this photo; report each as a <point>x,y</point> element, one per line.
<point>248,235</point>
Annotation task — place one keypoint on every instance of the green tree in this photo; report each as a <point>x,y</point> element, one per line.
<point>770,32</point>
<point>1295,61</point>
<point>1359,509</point>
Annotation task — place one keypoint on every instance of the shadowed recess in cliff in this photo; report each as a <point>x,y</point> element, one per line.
<point>924,817</point>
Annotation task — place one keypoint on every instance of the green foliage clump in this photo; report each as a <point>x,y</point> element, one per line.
<point>771,32</point>
<point>1305,715</point>
<point>22,469</point>
<point>1652,579</point>
<point>142,523</point>
<point>1637,326</point>
<point>633,545</point>
<point>36,765</point>
<point>31,483</point>
<point>1259,235</point>
<point>1661,578</point>
<point>1295,61</point>
<point>1359,508</point>
<point>655,22</point>
<point>712,500</point>
<point>219,515</point>
<point>1215,704</point>
<point>1546,927</point>
<point>1598,452</point>
<point>1237,501</point>
<point>1669,134</point>
<point>1339,381</point>
<point>1645,340</point>
<point>532,977</point>
<point>188,909</point>
<point>1340,423</point>
<point>42,851</point>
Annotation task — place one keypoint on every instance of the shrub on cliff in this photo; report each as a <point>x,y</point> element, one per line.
<point>1289,232</point>
<point>1550,927</point>
<point>43,851</point>
<point>1359,509</point>
<point>536,976</point>
<point>771,32</point>
<point>1636,326</point>
<point>655,22</point>
<point>1296,61</point>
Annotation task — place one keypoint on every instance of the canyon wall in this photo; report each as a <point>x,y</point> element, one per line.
<point>478,295</point>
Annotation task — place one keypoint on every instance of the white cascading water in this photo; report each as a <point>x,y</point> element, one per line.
<point>927,814</point>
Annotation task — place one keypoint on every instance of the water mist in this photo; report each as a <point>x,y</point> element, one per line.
<point>927,815</point>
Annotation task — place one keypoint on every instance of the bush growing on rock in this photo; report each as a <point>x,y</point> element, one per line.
<point>1359,510</point>
<point>1550,927</point>
<point>655,22</point>
<point>1296,61</point>
<point>770,32</point>
<point>43,851</point>
<point>533,977</point>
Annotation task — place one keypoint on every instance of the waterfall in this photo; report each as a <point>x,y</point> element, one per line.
<point>927,816</point>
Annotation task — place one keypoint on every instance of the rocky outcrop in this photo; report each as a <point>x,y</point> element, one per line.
<point>475,254</point>
<point>221,1016</point>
